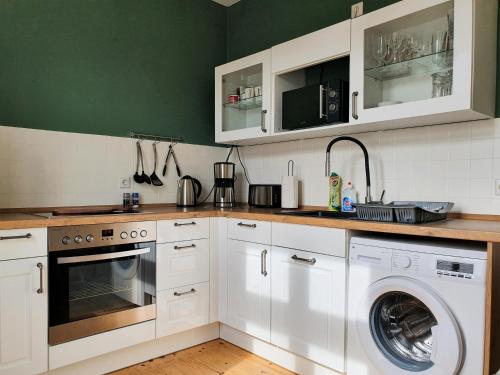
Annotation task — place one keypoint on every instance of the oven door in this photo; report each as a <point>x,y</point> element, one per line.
<point>99,289</point>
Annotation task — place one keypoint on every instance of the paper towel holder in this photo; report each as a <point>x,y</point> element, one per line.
<point>293,167</point>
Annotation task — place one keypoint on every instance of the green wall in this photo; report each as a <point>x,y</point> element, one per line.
<point>111,66</point>
<point>255,25</point>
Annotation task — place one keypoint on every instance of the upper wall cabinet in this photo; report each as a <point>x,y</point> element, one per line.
<point>423,62</point>
<point>412,63</point>
<point>242,98</point>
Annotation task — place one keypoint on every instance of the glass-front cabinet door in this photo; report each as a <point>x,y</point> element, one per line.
<point>410,60</point>
<point>242,98</point>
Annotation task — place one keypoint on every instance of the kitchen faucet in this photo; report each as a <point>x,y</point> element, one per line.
<point>367,162</point>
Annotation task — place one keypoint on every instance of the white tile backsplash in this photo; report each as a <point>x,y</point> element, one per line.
<point>452,162</point>
<point>455,162</point>
<point>40,168</point>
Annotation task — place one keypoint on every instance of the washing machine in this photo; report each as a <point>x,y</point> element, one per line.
<point>415,307</point>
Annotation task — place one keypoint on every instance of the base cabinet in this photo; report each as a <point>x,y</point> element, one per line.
<point>183,308</point>
<point>248,288</point>
<point>23,316</point>
<point>308,305</point>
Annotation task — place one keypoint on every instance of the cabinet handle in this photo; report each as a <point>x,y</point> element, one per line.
<point>247,225</point>
<point>40,267</point>
<point>23,236</point>
<point>304,260</point>
<point>184,247</point>
<point>355,105</point>
<point>263,256</point>
<point>177,294</point>
<point>263,121</point>
<point>182,224</point>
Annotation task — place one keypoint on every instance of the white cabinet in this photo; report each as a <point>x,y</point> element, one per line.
<point>243,115</point>
<point>182,263</point>
<point>308,305</point>
<point>180,309</point>
<point>182,229</point>
<point>248,288</point>
<point>23,316</point>
<point>423,62</point>
<point>249,230</point>
<point>322,45</point>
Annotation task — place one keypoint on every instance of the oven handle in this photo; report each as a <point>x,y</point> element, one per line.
<point>91,258</point>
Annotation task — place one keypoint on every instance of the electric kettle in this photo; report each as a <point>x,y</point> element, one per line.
<point>188,191</point>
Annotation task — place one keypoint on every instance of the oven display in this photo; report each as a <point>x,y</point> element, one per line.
<point>455,267</point>
<point>107,232</point>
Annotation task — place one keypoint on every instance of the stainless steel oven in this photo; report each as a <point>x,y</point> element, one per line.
<point>101,277</point>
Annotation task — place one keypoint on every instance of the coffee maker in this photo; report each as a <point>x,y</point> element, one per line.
<point>224,184</point>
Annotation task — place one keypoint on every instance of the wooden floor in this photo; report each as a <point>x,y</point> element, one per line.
<point>212,358</point>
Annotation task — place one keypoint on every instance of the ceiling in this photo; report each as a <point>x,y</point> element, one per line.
<point>226,3</point>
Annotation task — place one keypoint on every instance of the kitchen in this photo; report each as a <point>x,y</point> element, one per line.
<point>97,100</point>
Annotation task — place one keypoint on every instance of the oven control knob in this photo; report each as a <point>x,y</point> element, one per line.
<point>66,240</point>
<point>89,238</point>
<point>123,235</point>
<point>133,234</point>
<point>144,233</point>
<point>78,239</point>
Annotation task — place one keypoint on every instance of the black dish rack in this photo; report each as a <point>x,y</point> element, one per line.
<point>408,212</point>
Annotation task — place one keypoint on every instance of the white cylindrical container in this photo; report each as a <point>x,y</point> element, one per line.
<point>289,192</point>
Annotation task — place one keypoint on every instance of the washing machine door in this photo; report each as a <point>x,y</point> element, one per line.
<point>405,328</point>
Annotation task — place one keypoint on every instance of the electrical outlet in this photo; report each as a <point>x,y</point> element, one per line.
<point>357,10</point>
<point>497,187</point>
<point>124,182</point>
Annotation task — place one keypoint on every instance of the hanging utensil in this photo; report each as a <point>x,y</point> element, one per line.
<point>138,177</point>
<point>179,174</point>
<point>171,153</point>
<point>144,176</point>
<point>164,173</point>
<point>155,180</point>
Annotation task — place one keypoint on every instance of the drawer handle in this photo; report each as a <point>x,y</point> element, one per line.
<point>23,236</point>
<point>247,225</point>
<point>182,224</point>
<point>40,267</point>
<point>263,262</point>
<point>304,260</point>
<point>177,294</point>
<point>184,247</point>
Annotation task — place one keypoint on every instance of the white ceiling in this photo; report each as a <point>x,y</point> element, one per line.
<point>226,3</point>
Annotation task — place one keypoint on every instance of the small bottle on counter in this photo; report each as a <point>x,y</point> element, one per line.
<point>335,184</point>
<point>349,198</point>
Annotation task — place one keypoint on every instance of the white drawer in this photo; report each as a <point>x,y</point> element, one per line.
<point>249,230</point>
<point>180,309</point>
<point>23,243</point>
<point>182,263</point>
<point>329,241</point>
<point>182,230</point>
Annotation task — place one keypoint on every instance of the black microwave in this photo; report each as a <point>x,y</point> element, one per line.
<point>316,105</point>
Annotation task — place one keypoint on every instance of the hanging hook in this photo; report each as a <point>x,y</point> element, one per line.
<point>293,166</point>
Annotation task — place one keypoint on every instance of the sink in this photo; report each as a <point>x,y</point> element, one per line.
<point>323,214</point>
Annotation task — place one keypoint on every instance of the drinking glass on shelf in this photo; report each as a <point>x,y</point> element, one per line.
<point>442,83</point>
<point>378,49</point>
<point>439,45</point>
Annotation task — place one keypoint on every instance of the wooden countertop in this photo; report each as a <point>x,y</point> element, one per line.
<point>464,229</point>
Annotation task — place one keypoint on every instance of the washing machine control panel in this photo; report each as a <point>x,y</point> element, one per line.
<point>404,260</point>
<point>461,270</point>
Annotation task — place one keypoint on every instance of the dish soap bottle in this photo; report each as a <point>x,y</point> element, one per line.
<point>349,198</point>
<point>334,183</point>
